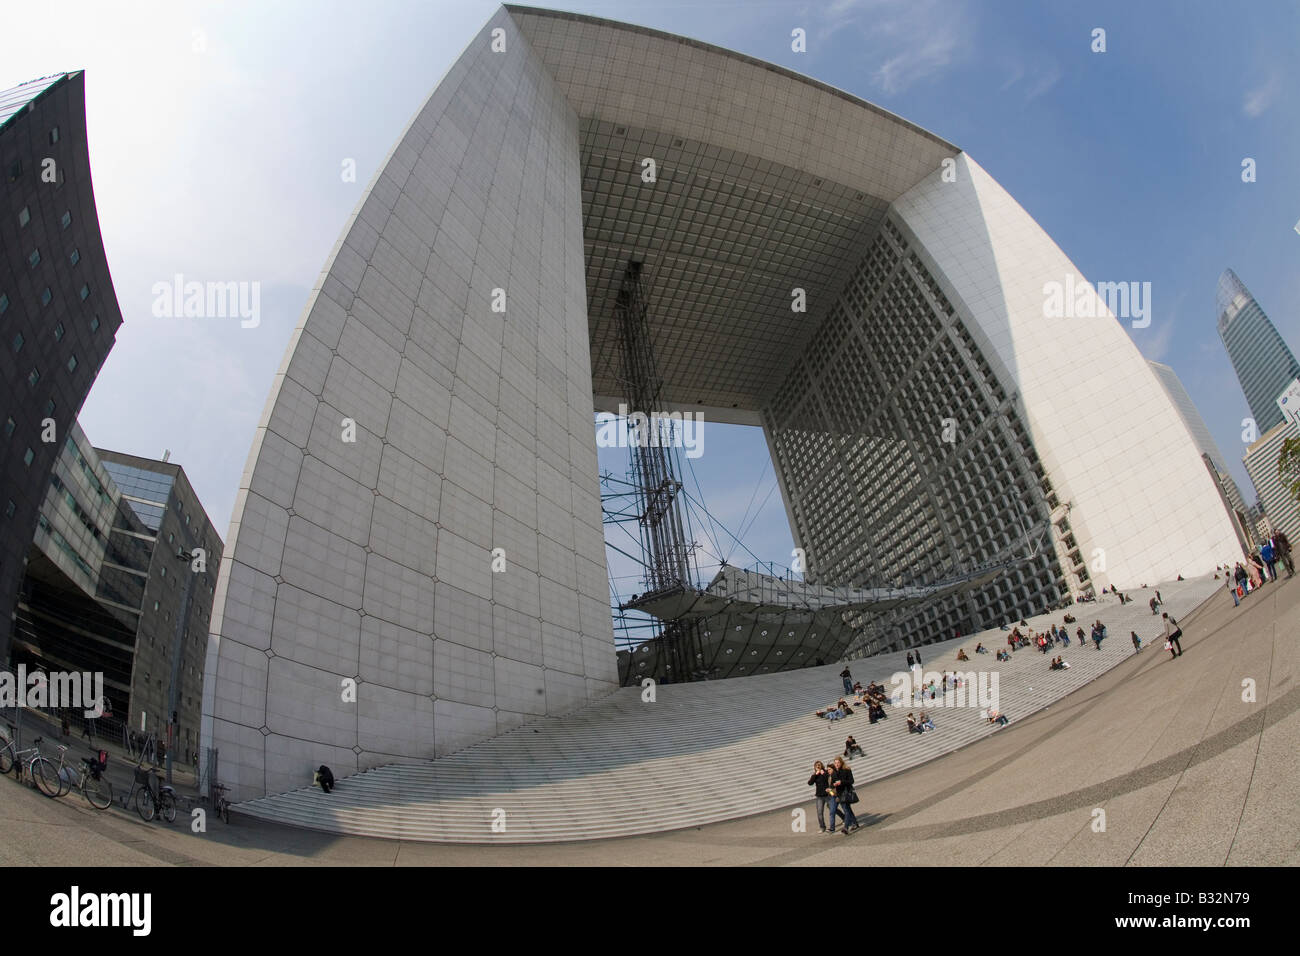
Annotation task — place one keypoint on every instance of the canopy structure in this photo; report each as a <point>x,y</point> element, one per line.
<point>752,623</point>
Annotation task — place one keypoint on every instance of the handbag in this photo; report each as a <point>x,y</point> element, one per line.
<point>1169,645</point>
<point>850,796</point>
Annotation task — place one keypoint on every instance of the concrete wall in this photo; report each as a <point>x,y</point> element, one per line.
<point>372,559</point>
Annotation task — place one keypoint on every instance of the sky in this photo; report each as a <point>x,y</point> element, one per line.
<point>218,132</point>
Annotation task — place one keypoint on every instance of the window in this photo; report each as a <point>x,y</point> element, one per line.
<point>15,170</point>
<point>54,135</point>
<point>66,219</point>
<point>33,377</point>
<point>34,259</point>
<point>4,304</point>
<point>58,332</point>
<point>72,363</point>
<point>10,509</point>
<point>24,216</point>
<point>28,457</point>
<point>85,292</point>
<point>18,342</point>
<point>94,323</point>
<point>155,605</point>
<point>46,296</point>
<point>10,425</point>
<point>74,257</point>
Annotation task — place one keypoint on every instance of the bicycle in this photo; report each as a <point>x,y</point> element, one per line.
<point>89,779</point>
<point>148,802</point>
<point>29,760</point>
<point>221,803</point>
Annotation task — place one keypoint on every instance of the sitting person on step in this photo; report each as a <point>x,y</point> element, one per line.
<point>851,747</point>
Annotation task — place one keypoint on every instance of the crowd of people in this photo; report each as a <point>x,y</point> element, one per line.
<point>834,783</point>
<point>1259,568</point>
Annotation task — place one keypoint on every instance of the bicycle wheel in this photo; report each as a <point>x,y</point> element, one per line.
<point>7,756</point>
<point>144,805</point>
<point>99,793</point>
<point>169,808</point>
<point>67,777</point>
<point>46,776</point>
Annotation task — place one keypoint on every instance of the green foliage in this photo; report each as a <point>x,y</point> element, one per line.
<point>1288,466</point>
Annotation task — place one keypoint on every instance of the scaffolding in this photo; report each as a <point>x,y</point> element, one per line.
<point>668,552</point>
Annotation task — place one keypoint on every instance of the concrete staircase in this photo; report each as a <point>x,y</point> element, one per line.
<point>705,752</point>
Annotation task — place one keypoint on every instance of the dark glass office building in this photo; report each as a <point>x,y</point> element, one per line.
<point>111,585</point>
<point>1262,361</point>
<point>58,311</point>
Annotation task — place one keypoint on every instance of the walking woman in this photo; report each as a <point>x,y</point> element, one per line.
<point>821,780</point>
<point>843,796</point>
<point>1172,634</point>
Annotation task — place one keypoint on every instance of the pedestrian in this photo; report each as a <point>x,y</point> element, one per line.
<point>1137,642</point>
<point>918,658</point>
<point>1172,634</point>
<point>820,781</point>
<point>325,777</point>
<point>910,662</point>
<point>1283,548</point>
<point>1270,558</point>
<point>1232,589</point>
<point>843,796</point>
<point>848,680</point>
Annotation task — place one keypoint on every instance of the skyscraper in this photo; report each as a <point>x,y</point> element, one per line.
<point>58,310</point>
<point>1262,361</point>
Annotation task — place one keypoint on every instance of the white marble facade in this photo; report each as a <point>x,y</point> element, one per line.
<point>364,553</point>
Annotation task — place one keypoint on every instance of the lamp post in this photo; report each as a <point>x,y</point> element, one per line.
<point>178,653</point>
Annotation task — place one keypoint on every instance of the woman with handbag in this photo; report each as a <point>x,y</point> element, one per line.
<point>843,796</point>
<point>1172,634</point>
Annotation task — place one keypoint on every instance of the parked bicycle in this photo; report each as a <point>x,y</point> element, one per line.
<point>29,760</point>
<point>152,797</point>
<point>89,779</point>
<point>221,803</point>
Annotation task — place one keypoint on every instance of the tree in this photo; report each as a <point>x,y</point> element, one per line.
<point>1288,466</point>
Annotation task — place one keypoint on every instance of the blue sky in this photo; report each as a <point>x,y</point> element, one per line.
<point>217,132</point>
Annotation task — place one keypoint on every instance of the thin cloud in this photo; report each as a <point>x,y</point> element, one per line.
<point>1261,98</point>
<point>912,40</point>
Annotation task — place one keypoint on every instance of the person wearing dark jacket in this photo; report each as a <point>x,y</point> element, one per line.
<point>820,779</point>
<point>326,778</point>
<point>848,680</point>
<point>841,787</point>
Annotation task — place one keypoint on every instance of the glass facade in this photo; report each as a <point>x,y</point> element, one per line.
<point>1264,364</point>
<point>146,491</point>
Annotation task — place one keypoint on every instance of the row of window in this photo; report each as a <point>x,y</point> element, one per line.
<point>25,217</point>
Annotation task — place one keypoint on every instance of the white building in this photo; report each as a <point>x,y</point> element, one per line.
<point>433,415</point>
